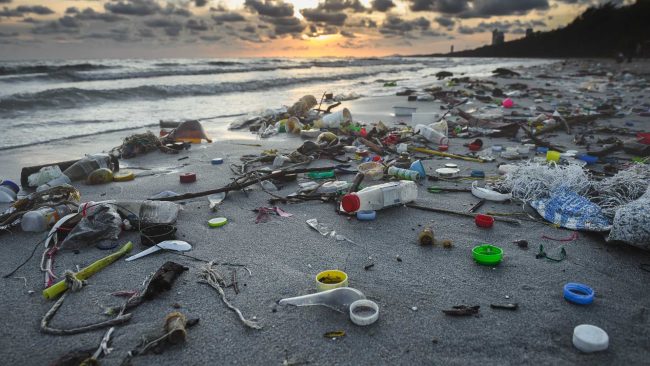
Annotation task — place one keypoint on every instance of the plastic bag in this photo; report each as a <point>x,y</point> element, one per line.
<point>632,223</point>
<point>103,226</point>
<point>572,211</point>
<point>44,175</point>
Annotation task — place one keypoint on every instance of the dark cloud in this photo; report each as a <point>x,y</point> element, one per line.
<point>249,29</point>
<point>54,27</point>
<point>72,10</point>
<point>210,38</point>
<point>504,26</point>
<point>69,22</point>
<point>200,3</point>
<point>440,6</point>
<point>382,5</point>
<point>340,5</point>
<point>162,23</point>
<point>318,15</point>
<point>30,20</point>
<point>5,1</point>
<point>146,33</point>
<point>172,9</point>
<point>347,34</point>
<point>91,14</point>
<point>445,22</point>
<point>13,34</point>
<point>228,17</point>
<point>133,7</point>
<point>285,25</point>
<point>24,9</point>
<point>173,31</point>
<point>196,25</point>
<point>270,8</point>
<point>118,35</point>
<point>394,25</point>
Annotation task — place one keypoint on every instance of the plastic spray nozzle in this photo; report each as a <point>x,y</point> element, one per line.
<point>338,299</point>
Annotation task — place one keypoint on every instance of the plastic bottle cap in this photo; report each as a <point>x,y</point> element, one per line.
<point>13,186</point>
<point>350,202</point>
<point>123,176</point>
<point>589,338</point>
<point>451,165</point>
<point>217,161</point>
<point>364,312</point>
<point>217,222</point>
<point>443,147</point>
<point>188,177</point>
<point>485,221</point>
<point>487,255</point>
<point>366,215</point>
<point>578,293</point>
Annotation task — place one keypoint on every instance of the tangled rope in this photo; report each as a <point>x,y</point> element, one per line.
<point>624,187</point>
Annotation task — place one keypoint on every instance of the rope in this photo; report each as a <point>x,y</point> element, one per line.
<point>74,284</point>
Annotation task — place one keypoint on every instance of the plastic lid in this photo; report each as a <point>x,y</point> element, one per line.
<point>589,338</point>
<point>14,187</point>
<point>123,176</point>
<point>350,202</point>
<point>366,215</point>
<point>487,255</point>
<point>217,161</point>
<point>364,312</point>
<point>578,293</point>
<point>217,222</point>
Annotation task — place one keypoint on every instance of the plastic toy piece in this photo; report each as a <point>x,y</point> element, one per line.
<point>578,293</point>
<point>488,194</point>
<point>338,299</point>
<point>61,286</point>
<point>175,245</point>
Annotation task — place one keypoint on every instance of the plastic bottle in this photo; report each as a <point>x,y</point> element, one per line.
<point>432,135</point>
<point>63,179</point>
<point>147,211</point>
<point>81,169</point>
<point>380,196</point>
<point>405,174</point>
<point>40,219</point>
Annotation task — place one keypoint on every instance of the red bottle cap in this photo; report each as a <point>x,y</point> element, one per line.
<point>376,158</point>
<point>474,147</point>
<point>350,202</point>
<point>485,221</point>
<point>443,148</point>
<point>188,177</point>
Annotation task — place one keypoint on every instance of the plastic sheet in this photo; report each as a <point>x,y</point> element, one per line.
<point>632,223</point>
<point>572,211</point>
<point>102,226</point>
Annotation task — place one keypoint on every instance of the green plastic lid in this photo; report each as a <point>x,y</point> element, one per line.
<point>217,222</point>
<point>487,255</point>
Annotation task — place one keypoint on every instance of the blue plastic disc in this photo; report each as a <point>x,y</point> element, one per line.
<point>578,293</point>
<point>366,215</point>
<point>478,174</point>
<point>217,161</point>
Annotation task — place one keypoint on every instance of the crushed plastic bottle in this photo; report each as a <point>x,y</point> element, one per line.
<point>39,220</point>
<point>145,211</point>
<point>82,169</point>
<point>215,200</point>
<point>375,198</point>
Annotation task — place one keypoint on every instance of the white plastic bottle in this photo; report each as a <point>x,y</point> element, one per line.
<point>380,196</point>
<point>42,218</point>
<point>432,134</point>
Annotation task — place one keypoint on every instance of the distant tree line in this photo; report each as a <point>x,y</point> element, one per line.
<point>604,31</point>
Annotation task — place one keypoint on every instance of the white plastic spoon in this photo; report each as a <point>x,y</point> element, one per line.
<point>175,245</point>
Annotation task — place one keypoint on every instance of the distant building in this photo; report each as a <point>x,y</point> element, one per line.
<point>452,49</point>
<point>529,32</point>
<point>497,37</point>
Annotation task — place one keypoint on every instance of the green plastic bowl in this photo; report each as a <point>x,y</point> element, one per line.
<point>487,255</point>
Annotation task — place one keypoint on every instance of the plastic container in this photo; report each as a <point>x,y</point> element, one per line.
<point>404,174</point>
<point>11,185</point>
<point>431,135</point>
<point>590,338</point>
<point>82,169</point>
<point>321,175</point>
<point>487,255</point>
<point>418,167</point>
<point>41,219</point>
<point>334,120</point>
<point>375,198</point>
<point>155,234</point>
<point>553,156</point>
<point>7,195</point>
<point>56,182</point>
<point>372,170</point>
<point>366,215</point>
<point>588,158</point>
<point>485,221</point>
<point>331,279</point>
<point>188,177</point>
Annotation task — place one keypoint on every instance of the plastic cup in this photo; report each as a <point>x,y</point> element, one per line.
<point>552,156</point>
<point>487,255</point>
<point>331,279</point>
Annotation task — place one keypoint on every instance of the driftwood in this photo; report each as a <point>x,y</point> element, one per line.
<point>160,282</point>
<point>540,142</point>
<point>235,186</point>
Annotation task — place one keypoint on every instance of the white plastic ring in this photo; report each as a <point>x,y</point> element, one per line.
<point>361,318</point>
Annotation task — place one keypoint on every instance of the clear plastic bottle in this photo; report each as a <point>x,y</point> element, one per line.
<point>81,169</point>
<point>39,220</point>
<point>63,179</point>
<point>380,196</point>
<point>146,211</point>
<point>432,135</point>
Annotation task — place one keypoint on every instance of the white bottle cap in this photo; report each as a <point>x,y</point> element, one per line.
<point>589,338</point>
<point>364,319</point>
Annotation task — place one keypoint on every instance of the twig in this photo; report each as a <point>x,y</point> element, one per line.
<point>459,213</point>
<point>45,327</point>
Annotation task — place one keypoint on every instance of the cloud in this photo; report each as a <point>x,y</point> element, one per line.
<point>228,17</point>
<point>478,8</point>
<point>5,1</point>
<point>118,35</point>
<point>394,25</point>
<point>382,5</point>
<point>72,10</point>
<point>285,25</point>
<point>440,6</point>
<point>200,3</point>
<point>162,23</point>
<point>172,9</point>
<point>318,15</point>
<point>69,22</point>
<point>24,9</point>
<point>270,8</point>
<point>56,27</point>
<point>133,7</point>
<point>445,22</point>
<point>91,14</point>
<point>347,34</point>
<point>196,25</point>
<point>340,5</point>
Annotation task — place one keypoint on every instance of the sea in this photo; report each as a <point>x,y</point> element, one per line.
<point>42,102</point>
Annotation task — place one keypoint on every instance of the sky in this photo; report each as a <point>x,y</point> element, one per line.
<point>84,29</point>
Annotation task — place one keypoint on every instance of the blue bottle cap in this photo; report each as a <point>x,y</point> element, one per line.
<point>578,293</point>
<point>13,186</point>
<point>542,150</point>
<point>366,215</point>
<point>217,161</point>
<point>478,174</point>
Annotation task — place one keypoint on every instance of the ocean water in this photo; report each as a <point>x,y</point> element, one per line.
<point>46,101</point>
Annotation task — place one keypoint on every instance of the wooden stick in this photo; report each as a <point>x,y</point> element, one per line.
<point>459,213</point>
<point>447,155</point>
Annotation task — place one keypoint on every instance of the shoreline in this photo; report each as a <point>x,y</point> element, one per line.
<point>284,255</point>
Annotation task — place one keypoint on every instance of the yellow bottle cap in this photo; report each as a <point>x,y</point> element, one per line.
<point>217,222</point>
<point>123,176</point>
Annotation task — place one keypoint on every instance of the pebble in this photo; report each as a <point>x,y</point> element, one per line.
<point>414,308</point>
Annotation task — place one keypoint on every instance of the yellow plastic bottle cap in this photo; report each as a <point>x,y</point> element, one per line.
<point>123,176</point>
<point>217,222</point>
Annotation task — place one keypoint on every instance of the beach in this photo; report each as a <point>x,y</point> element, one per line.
<point>410,283</point>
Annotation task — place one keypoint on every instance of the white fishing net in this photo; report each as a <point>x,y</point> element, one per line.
<point>626,186</point>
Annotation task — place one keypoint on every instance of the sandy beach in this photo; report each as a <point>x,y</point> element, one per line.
<point>410,283</point>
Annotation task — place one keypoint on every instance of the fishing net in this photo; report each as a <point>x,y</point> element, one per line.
<point>621,189</point>
<point>534,181</point>
<point>632,223</point>
<point>140,143</point>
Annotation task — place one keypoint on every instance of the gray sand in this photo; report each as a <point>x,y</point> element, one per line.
<point>284,256</point>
